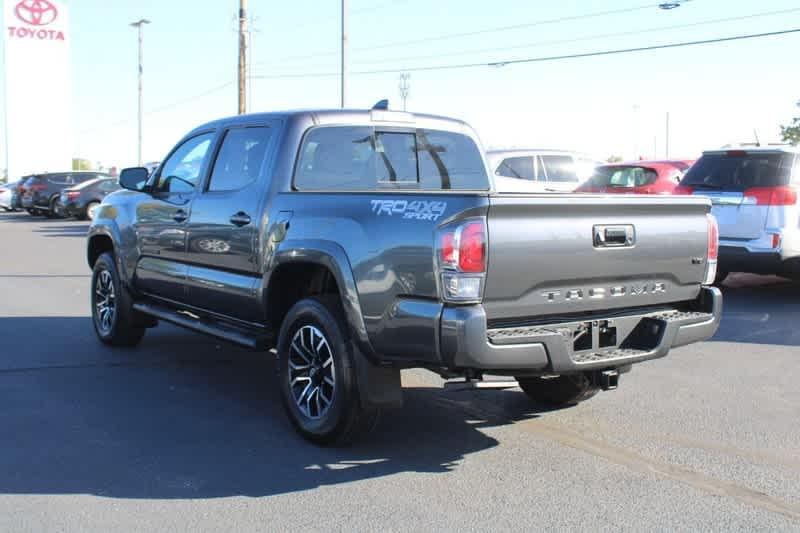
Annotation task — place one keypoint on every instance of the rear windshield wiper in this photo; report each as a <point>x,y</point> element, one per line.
<point>704,186</point>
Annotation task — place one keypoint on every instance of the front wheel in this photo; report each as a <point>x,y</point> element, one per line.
<point>113,316</point>
<point>317,374</point>
<point>558,391</point>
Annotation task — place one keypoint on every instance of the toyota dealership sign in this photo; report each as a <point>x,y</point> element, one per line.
<point>38,86</point>
<point>32,17</point>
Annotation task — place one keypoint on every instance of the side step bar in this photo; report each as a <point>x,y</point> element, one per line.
<point>220,330</point>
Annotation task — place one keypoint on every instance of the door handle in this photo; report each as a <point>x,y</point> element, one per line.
<point>240,219</point>
<point>180,216</point>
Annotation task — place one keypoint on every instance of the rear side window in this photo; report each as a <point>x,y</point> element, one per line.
<point>516,167</point>
<point>737,171</point>
<point>559,168</point>
<point>60,179</point>
<point>359,158</point>
<point>240,158</point>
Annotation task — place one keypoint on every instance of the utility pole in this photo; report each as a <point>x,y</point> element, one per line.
<point>405,86</point>
<point>139,24</point>
<point>242,57</point>
<point>666,142</point>
<point>344,54</point>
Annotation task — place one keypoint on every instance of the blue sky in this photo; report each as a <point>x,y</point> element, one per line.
<point>715,94</point>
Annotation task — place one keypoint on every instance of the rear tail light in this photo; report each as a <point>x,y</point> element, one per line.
<point>71,195</point>
<point>771,195</point>
<point>682,189</point>
<point>713,251</point>
<point>37,187</point>
<point>461,260</point>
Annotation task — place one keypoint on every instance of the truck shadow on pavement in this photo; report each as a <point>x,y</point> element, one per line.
<point>183,416</point>
<point>760,310</point>
<point>80,229</point>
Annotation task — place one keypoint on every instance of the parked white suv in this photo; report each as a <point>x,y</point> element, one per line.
<point>541,170</point>
<point>754,192</point>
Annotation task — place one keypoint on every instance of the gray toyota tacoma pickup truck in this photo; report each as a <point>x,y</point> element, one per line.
<point>360,243</point>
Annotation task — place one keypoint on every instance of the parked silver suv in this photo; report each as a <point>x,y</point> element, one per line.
<point>754,192</point>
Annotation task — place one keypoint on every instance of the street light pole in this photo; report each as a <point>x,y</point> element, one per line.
<point>344,54</point>
<point>138,25</point>
<point>242,57</point>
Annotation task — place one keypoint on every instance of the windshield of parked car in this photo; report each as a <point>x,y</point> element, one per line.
<point>738,170</point>
<point>623,176</point>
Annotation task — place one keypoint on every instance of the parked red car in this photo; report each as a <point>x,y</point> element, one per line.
<point>639,177</point>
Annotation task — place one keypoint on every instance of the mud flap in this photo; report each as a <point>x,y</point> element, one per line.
<point>378,386</point>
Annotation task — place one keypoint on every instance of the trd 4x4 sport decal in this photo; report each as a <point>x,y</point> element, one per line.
<point>411,210</point>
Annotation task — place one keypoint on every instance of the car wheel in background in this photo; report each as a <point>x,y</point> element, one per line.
<point>558,391</point>
<point>52,213</point>
<point>91,211</point>
<point>113,316</point>
<point>317,374</point>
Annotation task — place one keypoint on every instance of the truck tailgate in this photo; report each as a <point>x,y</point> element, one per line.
<point>565,254</point>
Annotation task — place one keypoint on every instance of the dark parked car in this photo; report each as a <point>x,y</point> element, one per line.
<point>83,200</point>
<point>42,190</point>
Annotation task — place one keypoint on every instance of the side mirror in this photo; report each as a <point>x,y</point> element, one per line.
<point>134,179</point>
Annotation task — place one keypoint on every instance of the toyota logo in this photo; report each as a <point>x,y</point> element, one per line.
<point>36,12</point>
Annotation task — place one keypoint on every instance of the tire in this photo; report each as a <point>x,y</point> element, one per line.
<point>559,391</point>
<point>721,276</point>
<point>122,327</point>
<point>312,334</point>
<point>52,213</point>
<point>88,212</point>
<point>32,212</point>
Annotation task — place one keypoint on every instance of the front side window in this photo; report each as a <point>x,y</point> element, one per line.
<point>559,168</point>
<point>181,172</point>
<point>240,158</point>
<point>358,158</point>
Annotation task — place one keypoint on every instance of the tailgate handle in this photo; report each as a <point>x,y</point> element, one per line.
<point>614,236</point>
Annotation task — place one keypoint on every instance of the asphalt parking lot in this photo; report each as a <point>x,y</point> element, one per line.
<point>187,433</point>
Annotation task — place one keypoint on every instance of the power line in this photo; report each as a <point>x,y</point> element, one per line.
<point>160,109</point>
<point>583,39</point>
<point>503,63</point>
<point>473,33</point>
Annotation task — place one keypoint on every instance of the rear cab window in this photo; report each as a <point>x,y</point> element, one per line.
<point>338,158</point>
<point>738,170</point>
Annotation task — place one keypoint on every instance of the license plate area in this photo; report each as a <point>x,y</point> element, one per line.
<point>594,335</point>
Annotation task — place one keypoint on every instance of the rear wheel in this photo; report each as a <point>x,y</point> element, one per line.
<point>53,212</point>
<point>317,374</point>
<point>91,211</point>
<point>558,391</point>
<point>115,321</point>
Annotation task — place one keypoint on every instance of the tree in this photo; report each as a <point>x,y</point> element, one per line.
<point>81,164</point>
<point>791,133</point>
<point>614,159</point>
